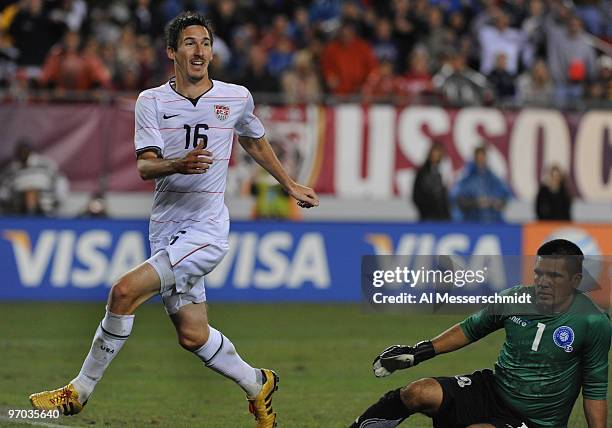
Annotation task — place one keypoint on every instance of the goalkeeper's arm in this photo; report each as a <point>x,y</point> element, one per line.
<point>398,357</point>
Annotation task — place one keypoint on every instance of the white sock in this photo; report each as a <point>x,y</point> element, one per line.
<point>110,336</point>
<point>219,354</point>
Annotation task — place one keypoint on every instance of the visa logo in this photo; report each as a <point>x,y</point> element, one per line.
<point>272,260</point>
<point>420,250</point>
<point>427,243</point>
<point>77,259</point>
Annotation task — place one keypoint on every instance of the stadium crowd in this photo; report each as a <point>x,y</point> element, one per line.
<point>455,51</point>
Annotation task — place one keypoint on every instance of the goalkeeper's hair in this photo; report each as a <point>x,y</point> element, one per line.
<point>567,250</point>
<point>182,21</point>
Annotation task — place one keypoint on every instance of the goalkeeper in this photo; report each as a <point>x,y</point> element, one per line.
<point>547,358</point>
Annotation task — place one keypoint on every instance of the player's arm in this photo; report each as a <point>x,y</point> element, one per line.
<point>261,151</point>
<point>399,357</point>
<point>596,413</point>
<point>473,328</point>
<point>151,166</point>
<point>595,371</point>
<point>150,144</point>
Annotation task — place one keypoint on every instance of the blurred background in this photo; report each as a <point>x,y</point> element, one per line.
<point>426,126</point>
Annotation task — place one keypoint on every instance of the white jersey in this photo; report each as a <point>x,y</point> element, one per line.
<point>172,125</point>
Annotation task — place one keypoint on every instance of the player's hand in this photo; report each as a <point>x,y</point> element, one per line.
<point>395,357</point>
<point>196,161</point>
<point>306,197</point>
<point>399,357</point>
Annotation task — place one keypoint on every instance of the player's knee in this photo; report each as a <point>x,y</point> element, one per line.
<point>123,292</point>
<point>418,396</point>
<point>192,339</point>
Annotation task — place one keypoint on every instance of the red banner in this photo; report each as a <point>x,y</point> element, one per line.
<point>373,151</point>
<point>348,150</point>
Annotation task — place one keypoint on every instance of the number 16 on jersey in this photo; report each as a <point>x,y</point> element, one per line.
<point>197,135</point>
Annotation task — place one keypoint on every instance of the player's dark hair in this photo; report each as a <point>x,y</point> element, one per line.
<point>182,21</point>
<point>562,248</point>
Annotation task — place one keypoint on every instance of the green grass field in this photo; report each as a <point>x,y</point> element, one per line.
<point>321,352</point>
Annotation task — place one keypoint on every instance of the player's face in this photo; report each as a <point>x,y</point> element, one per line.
<point>193,53</point>
<point>554,284</point>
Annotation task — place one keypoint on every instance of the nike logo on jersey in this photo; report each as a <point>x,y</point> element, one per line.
<point>166,116</point>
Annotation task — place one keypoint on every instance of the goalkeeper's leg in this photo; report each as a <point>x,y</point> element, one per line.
<point>422,396</point>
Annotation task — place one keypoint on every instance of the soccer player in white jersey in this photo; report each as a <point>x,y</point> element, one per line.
<point>183,137</point>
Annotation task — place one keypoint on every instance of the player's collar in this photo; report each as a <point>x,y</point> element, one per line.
<point>194,101</point>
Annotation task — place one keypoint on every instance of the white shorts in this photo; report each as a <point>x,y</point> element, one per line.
<point>182,261</point>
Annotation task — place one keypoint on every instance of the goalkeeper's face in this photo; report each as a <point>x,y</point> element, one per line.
<point>554,283</point>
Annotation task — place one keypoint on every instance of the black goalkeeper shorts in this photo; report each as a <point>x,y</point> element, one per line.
<point>471,399</point>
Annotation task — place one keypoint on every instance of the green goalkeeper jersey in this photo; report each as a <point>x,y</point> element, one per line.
<point>547,359</point>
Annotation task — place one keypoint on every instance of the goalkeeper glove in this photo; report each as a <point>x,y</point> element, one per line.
<point>398,357</point>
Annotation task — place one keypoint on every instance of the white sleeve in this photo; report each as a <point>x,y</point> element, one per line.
<point>249,125</point>
<point>146,129</point>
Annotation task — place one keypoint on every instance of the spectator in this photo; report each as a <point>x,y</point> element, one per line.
<point>459,84</point>
<point>591,14</point>
<point>500,80</point>
<point>126,48</point>
<point>382,85</point>
<point>256,76</point>
<point>244,38</point>
<point>352,11</point>
<point>8,64</point>
<point>449,6</point>
<point>554,200</point>
<point>384,46</point>
<point>598,91</point>
<point>571,59</point>
<point>532,29</point>
<point>535,86</point>
<point>429,192</point>
<point>225,16</point>
<point>407,26</point>
<point>500,38</point>
<point>487,12</point>
<point>417,80</point>
<point>457,24</point>
<point>343,74</point>
<point>96,206</point>
<point>301,83</point>
<point>272,202</point>
<point>144,21</point>
<point>438,38</point>
<point>280,56</point>
<point>33,34</point>
<point>104,22</point>
<point>107,56</point>
<point>419,12</point>
<point>32,184</point>
<point>66,68</point>
<point>479,196</point>
<point>222,58</point>
<point>272,36</point>
<point>301,30</point>
<point>70,12</point>
<point>151,70</point>
<point>325,12</point>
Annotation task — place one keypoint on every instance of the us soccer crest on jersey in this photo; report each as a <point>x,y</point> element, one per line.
<point>222,112</point>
